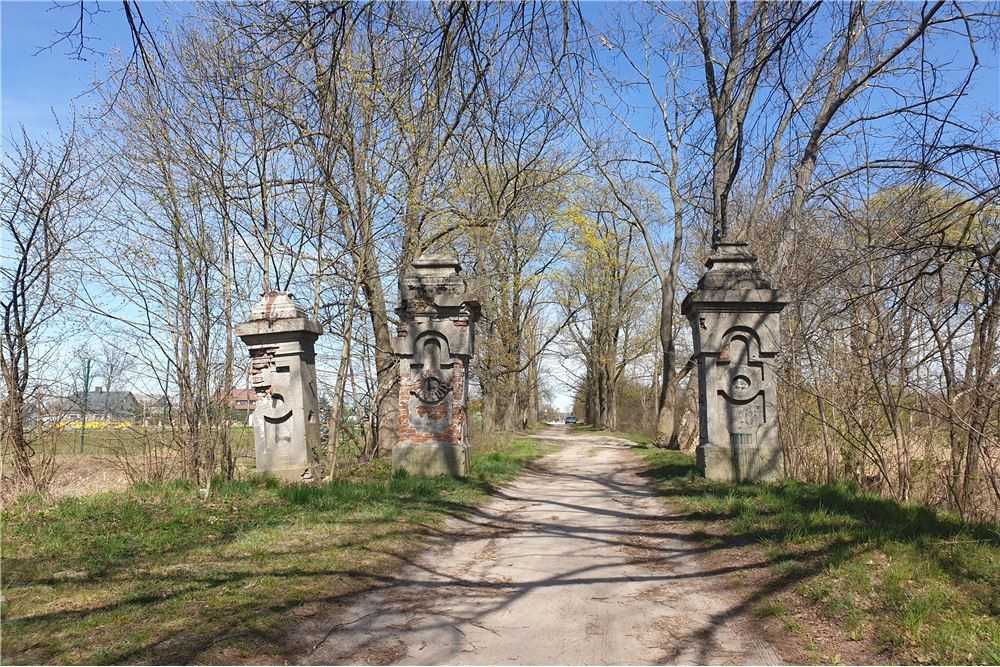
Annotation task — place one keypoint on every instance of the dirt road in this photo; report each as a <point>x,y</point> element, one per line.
<point>577,562</point>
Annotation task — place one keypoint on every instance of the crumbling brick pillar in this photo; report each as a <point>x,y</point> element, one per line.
<point>434,344</point>
<point>281,340</point>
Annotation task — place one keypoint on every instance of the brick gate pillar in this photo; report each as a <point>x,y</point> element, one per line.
<point>434,344</point>
<point>280,339</point>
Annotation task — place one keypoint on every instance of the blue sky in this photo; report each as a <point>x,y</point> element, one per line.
<point>33,84</point>
<point>39,84</point>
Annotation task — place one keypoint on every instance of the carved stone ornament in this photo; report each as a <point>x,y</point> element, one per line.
<point>433,373</point>
<point>432,390</point>
<point>274,409</point>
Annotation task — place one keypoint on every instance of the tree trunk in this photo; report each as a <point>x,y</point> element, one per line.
<point>228,455</point>
<point>667,409</point>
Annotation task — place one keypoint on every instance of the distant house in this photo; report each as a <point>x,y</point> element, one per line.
<point>103,405</point>
<point>243,399</point>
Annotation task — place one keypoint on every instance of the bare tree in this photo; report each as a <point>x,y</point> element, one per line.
<point>641,164</point>
<point>608,279</point>
<point>114,365</point>
<point>44,192</point>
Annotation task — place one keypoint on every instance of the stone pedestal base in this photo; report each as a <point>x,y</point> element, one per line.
<point>431,460</point>
<point>740,463</point>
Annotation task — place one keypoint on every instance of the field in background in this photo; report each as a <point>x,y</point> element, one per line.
<point>113,456</point>
<point>108,440</point>
<point>156,574</point>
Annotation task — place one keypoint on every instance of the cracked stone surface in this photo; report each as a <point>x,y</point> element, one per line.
<point>575,562</point>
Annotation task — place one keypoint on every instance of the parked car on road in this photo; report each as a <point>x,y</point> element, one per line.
<point>571,419</point>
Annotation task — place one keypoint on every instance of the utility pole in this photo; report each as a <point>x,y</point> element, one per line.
<point>86,393</point>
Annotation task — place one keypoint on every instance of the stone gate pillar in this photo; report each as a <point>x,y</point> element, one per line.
<point>434,344</point>
<point>735,316</point>
<point>280,338</point>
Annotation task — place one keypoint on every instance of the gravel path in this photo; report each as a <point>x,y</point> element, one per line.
<point>576,562</point>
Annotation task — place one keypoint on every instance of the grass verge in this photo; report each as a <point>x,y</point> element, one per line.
<point>157,575</point>
<point>922,585</point>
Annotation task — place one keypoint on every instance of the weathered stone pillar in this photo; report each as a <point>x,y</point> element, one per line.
<point>434,344</point>
<point>735,318</point>
<point>280,338</point>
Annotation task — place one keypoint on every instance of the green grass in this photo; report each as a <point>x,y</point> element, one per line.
<point>159,575</point>
<point>924,585</point>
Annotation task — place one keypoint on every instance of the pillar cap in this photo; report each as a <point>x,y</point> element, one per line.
<point>732,266</point>
<point>277,312</point>
<point>733,283</point>
<point>433,283</point>
<point>276,306</point>
<point>442,260</point>
<point>735,253</point>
